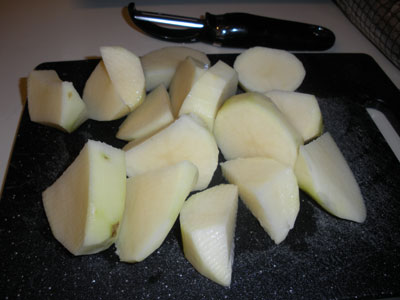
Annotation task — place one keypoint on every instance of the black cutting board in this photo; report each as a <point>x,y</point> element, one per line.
<point>323,257</point>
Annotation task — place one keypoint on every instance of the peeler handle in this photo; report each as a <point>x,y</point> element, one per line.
<point>244,30</point>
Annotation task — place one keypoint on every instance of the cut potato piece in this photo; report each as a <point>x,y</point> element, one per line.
<point>263,69</point>
<point>302,110</point>
<point>269,189</point>
<point>135,142</point>
<point>151,116</point>
<point>85,205</point>
<point>159,65</point>
<point>153,202</point>
<point>208,221</point>
<point>187,73</point>
<point>54,102</point>
<point>209,92</point>
<point>250,125</point>
<point>185,139</point>
<point>324,174</point>
<point>102,100</point>
<point>126,73</point>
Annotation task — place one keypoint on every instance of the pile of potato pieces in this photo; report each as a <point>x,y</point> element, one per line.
<point>180,112</point>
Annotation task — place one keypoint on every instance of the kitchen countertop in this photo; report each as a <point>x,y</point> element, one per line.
<point>33,32</point>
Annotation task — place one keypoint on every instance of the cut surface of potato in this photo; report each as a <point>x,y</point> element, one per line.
<point>323,173</point>
<point>269,189</point>
<point>208,93</point>
<point>126,73</point>
<point>208,221</point>
<point>301,109</point>
<point>185,139</point>
<point>159,66</point>
<point>187,73</point>
<point>263,69</point>
<point>102,100</point>
<point>84,206</point>
<point>250,125</point>
<point>151,116</point>
<point>153,202</point>
<point>54,102</point>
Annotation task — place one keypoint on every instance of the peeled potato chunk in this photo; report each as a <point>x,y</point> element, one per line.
<point>153,202</point>
<point>269,189</point>
<point>126,73</point>
<point>250,125</point>
<point>302,110</point>
<point>208,221</point>
<point>263,69</point>
<point>323,173</point>
<point>187,73</point>
<point>102,100</point>
<point>208,93</point>
<point>151,116</point>
<point>187,138</point>
<point>159,66</point>
<point>54,102</point>
<point>84,206</point>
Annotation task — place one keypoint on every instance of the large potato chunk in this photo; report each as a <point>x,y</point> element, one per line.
<point>153,202</point>
<point>85,205</point>
<point>263,69</point>
<point>185,139</point>
<point>269,189</point>
<point>159,65</point>
<point>187,73</point>
<point>102,100</point>
<point>126,73</point>
<point>54,102</point>
<point>250,125</point>
<point>302,110</point>
<point>208,221</point>
<point>208,93</point>
<point>151,116</point>
<point>324,174</point>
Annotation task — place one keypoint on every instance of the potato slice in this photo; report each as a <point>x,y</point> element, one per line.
<point>269,189</point>
<point>84,206</point>
<point>263,69</point>
<point>151,116</point>
<point>209,92</point>
<point>187,73</point>
<point>102,100</point>
<point>159,66</point>
<point>324,174</point>
<point>54,102</point>
<point>185,139</point>
<point>301,109</point>
<point>153,202</point>
<point>250,125</point>
<point>208,221</point>
<point>126,73</point>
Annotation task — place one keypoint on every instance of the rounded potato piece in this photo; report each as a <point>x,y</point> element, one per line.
<point>302,110</point>
<point>263,69</point>
<point>250,125</point>
<point>159,65</point>
<point>185,139</point>
<point>208,221</point>
<point>323,173</point>
<point>150,117</point>
<point>102,100</point>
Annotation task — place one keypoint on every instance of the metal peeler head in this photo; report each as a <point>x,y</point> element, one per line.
<point>180,29</point>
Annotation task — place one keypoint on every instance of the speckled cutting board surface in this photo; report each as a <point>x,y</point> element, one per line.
<point>323,257</point>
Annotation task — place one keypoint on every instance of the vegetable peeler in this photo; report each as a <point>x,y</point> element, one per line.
<point>239,30</point>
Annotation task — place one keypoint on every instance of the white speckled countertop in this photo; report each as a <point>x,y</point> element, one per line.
<point>33,32</point>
